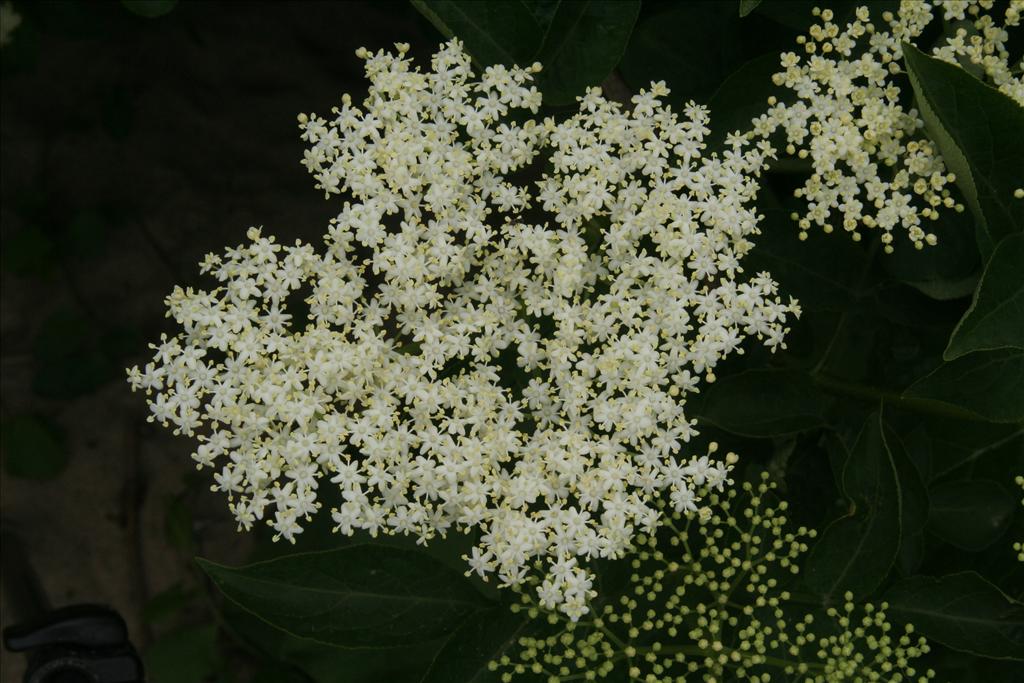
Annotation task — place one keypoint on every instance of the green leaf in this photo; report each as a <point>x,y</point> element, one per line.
<point>359,596</point>
<point>762,403</point>
<point>326,664</point>
<point>692,46</point>
<point>498,32</point>
<point>949,271</point>
<point>748,6</point>
<point>914,502</point>
<point>185,656</point>
<point>978,130</point>
<point>856,552</point>
<point>33,447</point>
<point>579,43</point>
<point>962,611</point>
<point>483,637</point>
<point>542,11</point>
<point>940,445</point>
<point>822,272</point>
<point>970,514</point>
<point>584,43</point>
<point>995,319</point>
<point>988,385</point>
<point>150,9</point>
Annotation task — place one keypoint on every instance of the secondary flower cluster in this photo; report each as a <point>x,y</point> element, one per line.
<point>505,322</point>
<point>713,606</point>
<point>873,166</point>
<point>980,43</point>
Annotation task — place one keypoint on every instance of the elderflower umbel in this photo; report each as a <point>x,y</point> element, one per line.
<point>979,43</point>
<point>713,606</point>
<point>505,322</point>
<point>872,165</point>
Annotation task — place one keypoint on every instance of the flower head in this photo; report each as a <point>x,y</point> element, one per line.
<point>842,108</point>
<point>505,322</point>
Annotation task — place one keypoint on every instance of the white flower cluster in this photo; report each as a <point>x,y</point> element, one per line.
<point>505,323</point>
<point>873,166</point>
<point>980,43</point>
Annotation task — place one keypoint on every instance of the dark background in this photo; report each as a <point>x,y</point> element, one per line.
<point>130,147</point>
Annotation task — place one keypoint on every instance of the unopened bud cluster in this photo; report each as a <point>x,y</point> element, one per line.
<point>504,324</point>
<point>709,601</point>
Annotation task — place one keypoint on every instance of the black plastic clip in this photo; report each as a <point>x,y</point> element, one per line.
<point>77,644</point>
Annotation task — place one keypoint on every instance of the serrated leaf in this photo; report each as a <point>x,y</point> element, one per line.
<point>856,552</point>
<point>962,611</point>
<point>583,44</point>
<point>995,319</point>
<point>988,385</point>
<point>970,514</point>
<point>359,596</point>
<point>483,637</point>
<point>498,32</point>
<point>762,403</point>
<point>33,447</point>
<point>978,130</point>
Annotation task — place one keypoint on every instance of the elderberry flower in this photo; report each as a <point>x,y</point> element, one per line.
<point>708,600</point>
<point>872,164</point>
<point>506,320</point>
<point>979,43</point>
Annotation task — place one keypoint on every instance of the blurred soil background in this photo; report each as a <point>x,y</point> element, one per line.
<point>129,148</point>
